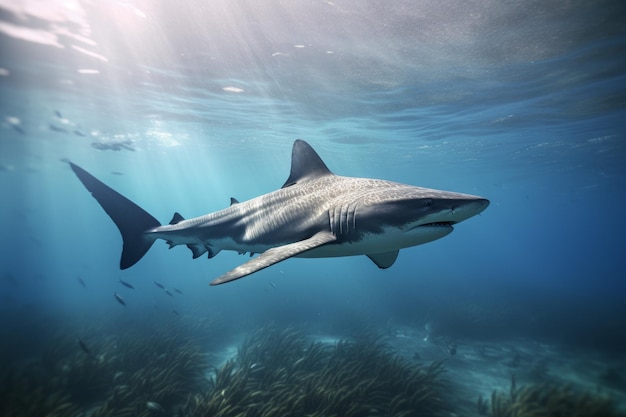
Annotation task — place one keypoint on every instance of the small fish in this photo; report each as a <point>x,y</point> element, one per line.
<point>175,312</point>
<point>84,347</point>
<point>81,281</point>
<point>127,284</point>
<point>177,290</point>
<point>114,146</point>
<point>155,406</point>
<point>55,128</point>
<point>273,284</point>
<point>119,299</point>
<point>117,173</point>
<point>168,292</point>
<point>58,114</point>
<point>158,284</point>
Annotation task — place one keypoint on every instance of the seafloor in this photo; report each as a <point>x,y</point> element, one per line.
<point>183,366</point>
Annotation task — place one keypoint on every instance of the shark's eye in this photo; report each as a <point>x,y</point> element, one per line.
<point>429,202</point>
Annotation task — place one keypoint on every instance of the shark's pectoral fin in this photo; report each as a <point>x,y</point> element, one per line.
<point>275,255</point>
<point>384,260</point>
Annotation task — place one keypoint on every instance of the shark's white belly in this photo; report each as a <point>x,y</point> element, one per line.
<point>390,240</point>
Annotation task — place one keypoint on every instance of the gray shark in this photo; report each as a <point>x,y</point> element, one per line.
<point>315,214</point>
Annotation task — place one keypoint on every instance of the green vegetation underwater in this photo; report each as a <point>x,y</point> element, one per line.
<point>193,106</point>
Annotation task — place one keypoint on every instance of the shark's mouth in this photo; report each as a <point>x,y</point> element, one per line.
<point>435,227</point>
<point>437,224</point>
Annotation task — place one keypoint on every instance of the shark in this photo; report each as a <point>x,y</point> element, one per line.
<point>315,214</point>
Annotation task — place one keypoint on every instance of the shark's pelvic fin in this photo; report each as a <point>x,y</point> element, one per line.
<point>130,219</point>
<point>384,260</point>
<point>275,255</point>
<point>306,164</point>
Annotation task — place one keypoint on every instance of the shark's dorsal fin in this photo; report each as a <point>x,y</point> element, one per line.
<point>233,201</point>
<point>384,260</point>
<point>306,164</point>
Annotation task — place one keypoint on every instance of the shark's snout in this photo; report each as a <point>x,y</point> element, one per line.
<point>481,204</point>
<point>465,209</point>
<point>477,205</point>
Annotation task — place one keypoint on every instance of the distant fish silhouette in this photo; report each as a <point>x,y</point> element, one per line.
<point>113,146</point>
<point>158,284</point>
<point>84,347</point>
<point>168,293</point>
<point>175,312</point>
<point>81,281</point>
<point>177,290</point>
<point>56,128</point>
<point>119,299</point>
<point>127,284</point>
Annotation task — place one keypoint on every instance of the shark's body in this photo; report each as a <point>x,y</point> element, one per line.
<point>315,214</point>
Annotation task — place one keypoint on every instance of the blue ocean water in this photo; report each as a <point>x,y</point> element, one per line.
<point>180,106</point>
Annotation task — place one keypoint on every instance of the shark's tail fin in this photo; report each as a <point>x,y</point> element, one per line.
<point>131,220</point>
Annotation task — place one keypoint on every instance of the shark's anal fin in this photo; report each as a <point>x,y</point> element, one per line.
<point>384,260</point>
<point>197,250</point>
<point>275,255</point>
